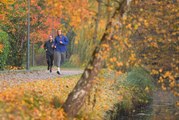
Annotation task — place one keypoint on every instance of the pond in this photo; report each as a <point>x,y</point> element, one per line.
<point>163,107</point>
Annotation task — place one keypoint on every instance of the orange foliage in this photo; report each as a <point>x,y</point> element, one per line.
<point>152,31</point>
<point>34,99</point>
<point>1,47</point>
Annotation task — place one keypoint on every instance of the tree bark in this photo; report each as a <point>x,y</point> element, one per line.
<point>97,21</point>
<point>82,89</point>
<point>33,61</point>
<point>107,10</point>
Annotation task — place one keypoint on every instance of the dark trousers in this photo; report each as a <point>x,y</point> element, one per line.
<point>50,59</point>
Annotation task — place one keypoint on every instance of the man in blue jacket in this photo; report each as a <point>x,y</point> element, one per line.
<point>60,44</point>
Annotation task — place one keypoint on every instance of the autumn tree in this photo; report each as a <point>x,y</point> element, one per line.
<point>154,39</point>
<point>15,24</point>
<point>77,97</point>
<point>13,20</point>
<point>146,36</point>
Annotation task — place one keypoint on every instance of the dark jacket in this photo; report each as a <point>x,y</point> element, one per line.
<point>48,46</point>
<point>61,47</point>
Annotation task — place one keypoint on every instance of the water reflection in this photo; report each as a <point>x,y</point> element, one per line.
<point>163,107</point>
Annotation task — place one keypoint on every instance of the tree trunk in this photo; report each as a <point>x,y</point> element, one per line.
<point>108,11</point>
<point>82,89</point>
<point>97,21</point>
<point>33,61</point>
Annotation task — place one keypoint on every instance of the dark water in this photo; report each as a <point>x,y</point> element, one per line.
<point>163,107</point>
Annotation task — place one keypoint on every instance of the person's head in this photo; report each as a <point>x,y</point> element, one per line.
<point>50,38</point>
<point>59,32</point>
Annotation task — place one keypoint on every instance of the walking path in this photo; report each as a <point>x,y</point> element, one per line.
<point>11,78</point>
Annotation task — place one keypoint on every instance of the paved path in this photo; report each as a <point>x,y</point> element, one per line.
<point>35,75</point>
<point>11,78</point>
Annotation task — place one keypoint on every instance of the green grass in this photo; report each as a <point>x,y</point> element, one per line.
<point>136,87</point>
<point>70,65</point>
<point>66,65</point>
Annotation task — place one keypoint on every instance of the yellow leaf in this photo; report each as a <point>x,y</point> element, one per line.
<point>136,26</point>
<point>167,74</point>
<point>177,103</point>
<point>147,89</point>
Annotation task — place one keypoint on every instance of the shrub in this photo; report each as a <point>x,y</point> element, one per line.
<point>75,60</point>
<point>135,89</point>
<point>56,102</point>
<point>4,49</point>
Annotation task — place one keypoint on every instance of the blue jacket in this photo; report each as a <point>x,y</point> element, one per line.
<point>61,47</point>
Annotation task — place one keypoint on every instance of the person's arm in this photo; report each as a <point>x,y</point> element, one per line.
<point>65,42</point>
<point>55,42</point>
<point>45,46</point>
<point>53,45</point>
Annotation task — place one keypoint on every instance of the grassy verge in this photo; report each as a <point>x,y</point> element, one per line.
<point>113,96</point>
<point>135,89</point>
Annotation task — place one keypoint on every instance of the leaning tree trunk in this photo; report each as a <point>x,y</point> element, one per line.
<point>97,22</point>
<point>77,97</point>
